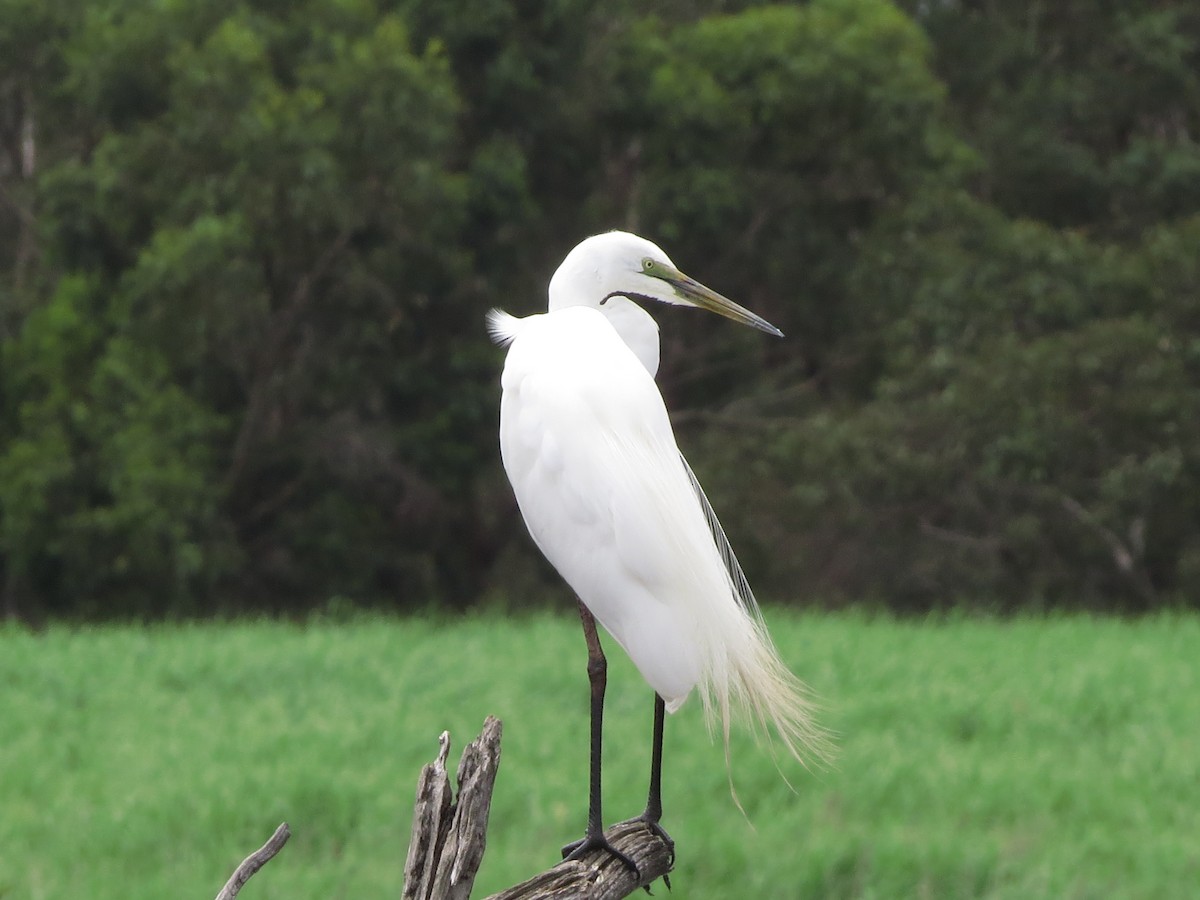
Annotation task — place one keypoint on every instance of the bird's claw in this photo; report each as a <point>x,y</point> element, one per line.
<point>597,841</point>
<point>659,832</point>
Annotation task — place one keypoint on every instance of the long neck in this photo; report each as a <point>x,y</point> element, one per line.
<point>636,328</point>
<point>575,284</point>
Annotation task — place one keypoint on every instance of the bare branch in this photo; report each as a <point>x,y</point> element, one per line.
<point>1126,558</point>
<point>600,875</point>
<point>986,544</point>
<point>1122,557</point>
<point>448,838</point>
<point>431,820</point>
<point>254,862</point>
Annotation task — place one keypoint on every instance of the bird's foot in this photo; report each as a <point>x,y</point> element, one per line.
<point>595,840</point>
<point>652,822</point>
<point>659,832</point>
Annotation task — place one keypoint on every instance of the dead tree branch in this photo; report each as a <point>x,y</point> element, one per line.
<point>254,862</point>
<point>449,837</point>
<point>600,876</point>
<point>1127,557</point>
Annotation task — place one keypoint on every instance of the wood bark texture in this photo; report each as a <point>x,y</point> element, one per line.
<point>601,876</point>
<point>448,836</point>
<point>448,839</point>
<point>254,862</point>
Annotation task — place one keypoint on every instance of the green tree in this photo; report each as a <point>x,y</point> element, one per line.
<point>245,255</point>
<point>261,226</point>
<point>768,142</point>
<point>1031,437</point>
<point>1086,113</point>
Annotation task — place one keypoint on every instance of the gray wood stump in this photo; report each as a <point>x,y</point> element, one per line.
<point>449,836</point>
<point>450,842</point>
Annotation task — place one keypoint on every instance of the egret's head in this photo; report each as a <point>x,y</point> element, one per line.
<point>618,264</point>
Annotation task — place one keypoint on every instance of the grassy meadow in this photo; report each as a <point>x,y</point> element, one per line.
<point>1021,758</point>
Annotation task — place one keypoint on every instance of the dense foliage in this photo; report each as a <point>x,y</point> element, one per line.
<point>245,252</point>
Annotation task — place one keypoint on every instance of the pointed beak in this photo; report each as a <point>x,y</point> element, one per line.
<point>693,292</point>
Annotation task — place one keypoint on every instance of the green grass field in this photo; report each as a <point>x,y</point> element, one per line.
<point>978,758</point>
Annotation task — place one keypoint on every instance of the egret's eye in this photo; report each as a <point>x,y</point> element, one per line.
<point>647,264</point>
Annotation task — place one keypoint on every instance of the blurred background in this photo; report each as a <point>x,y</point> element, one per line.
<point>246,250</point>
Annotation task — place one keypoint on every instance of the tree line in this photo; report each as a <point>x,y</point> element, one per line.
<point>246,250</point>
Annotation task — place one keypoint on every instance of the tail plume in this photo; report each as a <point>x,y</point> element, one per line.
<point>747,678</point>
<point>502,327</point>
<point>756,686</point>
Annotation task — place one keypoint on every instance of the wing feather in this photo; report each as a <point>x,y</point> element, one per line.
<point>737,578</point>
<point>608,498</point>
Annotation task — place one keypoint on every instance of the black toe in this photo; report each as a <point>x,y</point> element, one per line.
<point>581,848</point>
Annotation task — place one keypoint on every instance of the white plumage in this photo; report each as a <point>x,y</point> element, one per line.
<point>608,498</point>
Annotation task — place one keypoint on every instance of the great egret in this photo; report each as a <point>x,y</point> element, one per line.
<point>613,505</point>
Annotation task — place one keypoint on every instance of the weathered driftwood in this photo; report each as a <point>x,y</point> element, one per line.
<point>254,862</point>
<point>448,839</point>
<point>600,876</point>
<point>449,836</point>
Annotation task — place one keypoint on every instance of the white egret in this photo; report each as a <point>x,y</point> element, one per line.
<point>613,505</point>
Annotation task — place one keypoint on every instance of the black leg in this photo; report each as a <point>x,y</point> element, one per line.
<point>653,814</point>
<point>654,802</point>
<point>594,838</point>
